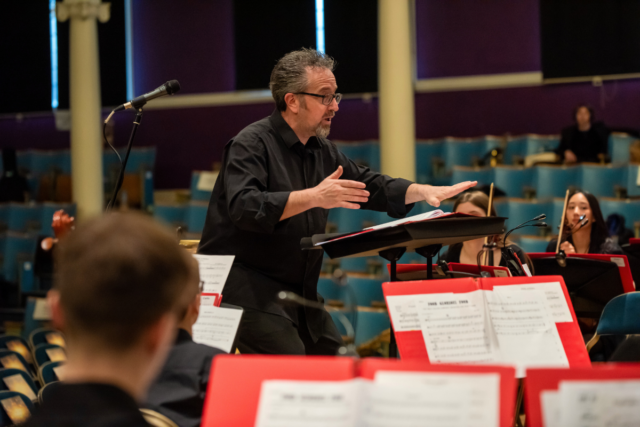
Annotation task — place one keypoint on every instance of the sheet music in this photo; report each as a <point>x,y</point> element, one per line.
<point>420,217</point>
<point>476,396</point>
<point>456,329</point>
<point>214,270</point>
<point>550,408</point>
<point>403,310</point>
<point>217,327</point>
<point>526,333</point>
<point>308,404</point>
<point>553,293</point>
<point>600,403</point>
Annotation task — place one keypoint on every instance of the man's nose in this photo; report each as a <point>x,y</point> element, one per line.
<point>334,105</point>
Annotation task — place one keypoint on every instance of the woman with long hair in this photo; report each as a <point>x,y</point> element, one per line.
<point>477,203</point>
<point>590,238</point>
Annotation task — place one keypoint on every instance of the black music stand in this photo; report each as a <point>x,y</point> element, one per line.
<point>591,283</point>
<point>633,256</point>
<point>424,237</point>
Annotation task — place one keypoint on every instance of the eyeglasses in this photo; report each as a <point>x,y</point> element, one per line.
<point>326,99</point>
<point>201,286</point>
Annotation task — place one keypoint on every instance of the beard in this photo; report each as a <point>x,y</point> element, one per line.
<point>322,131</point>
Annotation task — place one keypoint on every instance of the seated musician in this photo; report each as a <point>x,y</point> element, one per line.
<point>477,203</point>
<point>178,392</point>
<point>585,229</point>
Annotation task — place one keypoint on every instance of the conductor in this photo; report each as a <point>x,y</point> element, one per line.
<point>279,178</point>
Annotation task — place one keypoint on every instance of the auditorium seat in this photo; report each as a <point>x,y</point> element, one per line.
<point>4,395</point>
<point>619,144</point>
<point>172,215</point>
<point>631,179</point>
<point>365,153</point>
<point>196,216</point>
<point>4,373</point>
<point>554,215</point>
<point>628,208</point>
<point>62,161</point>
<point>541,143</point>
<point>492,142</point>
<point>601,180</point>
<point>520,210</point>
<point>429,153</point>
<point>47,372</point>
<point>553,181</point>
<point>532,243</point>
<point>36,162</point>
<point>22,362</point>
<point>17,248</point>
<point>371,322</point>
<point>513,180</point>
<point>462,152</point>
<point>368,292</point>
<point>515,150</point>
<point>39,336</point>
<point>370,265</point>
<point>24,217</point>
<point>331,291</point>
<point>41,355</point>
<point>197,194</point>
<point>484,176</point>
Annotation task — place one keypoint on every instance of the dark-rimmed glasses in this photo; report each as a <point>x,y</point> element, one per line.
<point>326,99</point>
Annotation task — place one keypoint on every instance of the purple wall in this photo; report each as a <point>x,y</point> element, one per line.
<point>172,40</point>
<point>471,37</point>
<point>187,40</point>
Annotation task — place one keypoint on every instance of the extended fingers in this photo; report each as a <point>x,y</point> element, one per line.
<point>351,184</point>
<point>348,205</point>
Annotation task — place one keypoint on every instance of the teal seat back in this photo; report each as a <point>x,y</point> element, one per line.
<point>619,147</point>
<point>6,352</point>
<point>484,176</point>
<point>11,372</point>
<point>553,181</point>
<point>426,153</point>
<point>366,290</point>
<point>621,316</point>
<point>516,147</point>
<point>47,372</point>
<point>197,194</point>
<point>513,181</point>
<point>601,181</point>
<point>40,353</point>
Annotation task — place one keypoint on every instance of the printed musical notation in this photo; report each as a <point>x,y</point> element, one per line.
<point>214,270</point>
<point>217,327</point>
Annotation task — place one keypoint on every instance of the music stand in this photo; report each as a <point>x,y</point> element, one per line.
<point>632,251</point>
<point>424,237</point>
<point>591,283</point>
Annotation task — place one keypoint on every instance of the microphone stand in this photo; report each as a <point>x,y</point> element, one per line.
<point>136,123</point>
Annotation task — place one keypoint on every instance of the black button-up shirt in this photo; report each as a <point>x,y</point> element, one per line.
<point>262,165</point>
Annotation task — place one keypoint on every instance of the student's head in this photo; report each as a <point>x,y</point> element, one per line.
<point>584,203</point>
<point>475,203</point>
<point>583,115</point>
<point>121,284</point>
<point>309,71</point>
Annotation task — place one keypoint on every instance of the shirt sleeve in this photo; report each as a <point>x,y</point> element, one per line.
<point>386,194</point>
<point>251,207</point>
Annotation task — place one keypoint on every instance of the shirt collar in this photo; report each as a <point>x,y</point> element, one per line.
<point>287,134</point>
<point>183,336</point>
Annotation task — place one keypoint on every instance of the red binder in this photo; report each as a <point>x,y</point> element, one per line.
<point>412,269</point>
<point>234,383</point>
<point>620,260</point>
<point>539,380</point>
<point>508,383</point>
<point>634,241</point>
<point>411,343</point>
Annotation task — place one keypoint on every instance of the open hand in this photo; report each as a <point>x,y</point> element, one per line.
<point>340,193</point>
<point>435,195</point>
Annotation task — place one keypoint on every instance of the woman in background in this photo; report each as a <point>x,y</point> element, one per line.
<point>477,203</point>
<point>585,141</point>
<point>590,238</point>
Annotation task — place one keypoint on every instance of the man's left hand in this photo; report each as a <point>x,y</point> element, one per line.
<point>435,195</point>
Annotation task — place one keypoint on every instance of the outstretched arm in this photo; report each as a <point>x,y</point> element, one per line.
<point>435,195</point>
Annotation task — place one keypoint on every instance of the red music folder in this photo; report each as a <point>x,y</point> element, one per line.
<point>235,382</point>
<point>539,380</point>
<point>508,383</point>
<point>233,392</point>
<point>418,271</point>
<point>620,260</point>
<point>409,335</point>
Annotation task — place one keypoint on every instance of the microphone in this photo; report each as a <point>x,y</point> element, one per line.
<point>350,349</point>
<point>526,224</point>
<point>169,88</point>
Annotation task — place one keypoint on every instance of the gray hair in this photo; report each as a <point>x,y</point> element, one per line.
<point>290,73</point>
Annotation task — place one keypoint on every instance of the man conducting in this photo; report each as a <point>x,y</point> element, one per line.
<point>279,178</point>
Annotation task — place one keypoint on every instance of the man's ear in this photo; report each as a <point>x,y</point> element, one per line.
<point>57,316</point>
<point>293,103</point>
<point>196,307</point>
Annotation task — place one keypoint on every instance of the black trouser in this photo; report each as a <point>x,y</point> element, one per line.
<point>266,333</point>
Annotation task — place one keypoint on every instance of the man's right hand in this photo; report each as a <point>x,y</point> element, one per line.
<point>339,193</point>
<point>570,157</point>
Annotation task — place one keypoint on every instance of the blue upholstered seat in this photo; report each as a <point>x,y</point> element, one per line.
<point>553,181</point>
<point>601,180</point>
<point>513,180</point>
